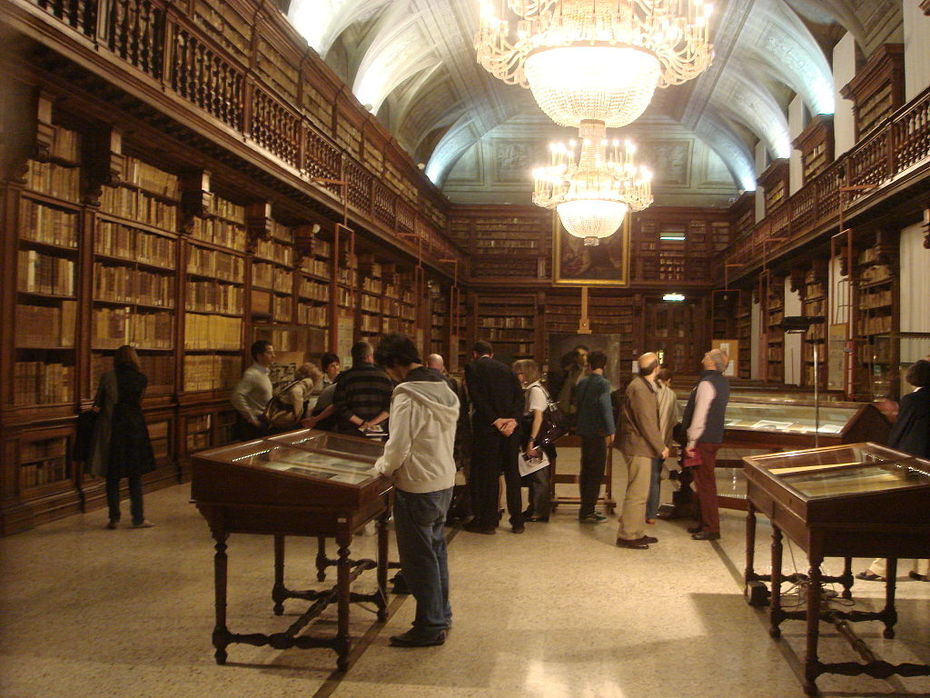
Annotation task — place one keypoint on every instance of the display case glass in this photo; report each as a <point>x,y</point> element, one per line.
<point>844,470</point>
<point>790,418</point>
<point>333,444</point>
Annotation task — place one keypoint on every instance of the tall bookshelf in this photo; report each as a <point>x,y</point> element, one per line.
<point>509,324</point>
<point>314,279</point>
<point>743,329</point>
<point>876,317</point>
<point>774,334</point>
<point>814,304</point>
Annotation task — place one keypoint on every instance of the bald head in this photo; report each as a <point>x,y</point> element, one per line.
<point>648,364</point>
<point>716,360</point>
<point>435,361</point>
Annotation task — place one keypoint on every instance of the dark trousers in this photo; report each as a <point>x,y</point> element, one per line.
<point>540,488</point>
<point>593,460</point>
<point>421,545</point>
<point>246,431</point>
<point>706,483</point>
<point>135,498</point>
<point>492,455</point>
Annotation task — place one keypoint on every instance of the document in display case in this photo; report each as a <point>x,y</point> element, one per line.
<point>855,500</point>
<point>302,483</point>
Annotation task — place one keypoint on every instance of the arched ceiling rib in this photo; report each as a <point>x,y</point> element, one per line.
<point>417,57</point>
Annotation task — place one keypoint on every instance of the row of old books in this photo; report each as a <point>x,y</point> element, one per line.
<point>116,240</point>
<point>41,273</point>
<point>213,297</point>
<point>46,326</point>
<point>41,383</point>
<point>282,307</point>
<point>54,180</point>
<point>150,178</point>
<point>219,265</point>
<point>217,206</point>
<point>208,372</point>
<point>66,144</point>
<point>317,267</point>
<point>508,322</point>
<point>312,315</point>
<point>269,276</point>
<point>313,290</point>
<point>275,251</point>
<point>114,327</point>
<point>214,332</point>
<point>44,472</point>
<point>53,226</point>
<point>126,285</point>
<point>158,368</point>
<point>220,232</point>
<point>139,206</point>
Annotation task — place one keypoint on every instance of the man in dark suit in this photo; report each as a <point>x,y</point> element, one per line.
<point>497,402</point>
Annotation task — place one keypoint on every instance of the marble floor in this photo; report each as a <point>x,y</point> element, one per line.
<point>558,611</point>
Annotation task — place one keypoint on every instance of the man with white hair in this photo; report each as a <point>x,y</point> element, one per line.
<point>704,422</point>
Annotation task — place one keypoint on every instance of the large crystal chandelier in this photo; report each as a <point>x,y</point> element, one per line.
<point>592,184</point>
<point>594,59</point>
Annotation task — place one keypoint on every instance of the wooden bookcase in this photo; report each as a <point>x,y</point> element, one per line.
<point>774,334</point>
<point>811,284</point>
<point>816,145</point>
<point>877,90</point>
<point>743,334</point>
<point>509,323</point>
<point>876,316</point>
<point>775,182</point>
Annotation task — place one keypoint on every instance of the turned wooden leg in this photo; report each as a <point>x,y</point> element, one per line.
<point>321,558</point>
<point>220,631</point>
<point>343,570</point>
<point>889,612</point>
<point>811,661</point>
<point>775,614</point>
<point>847,578</point>
<point>750,574</point>
<point>278,592</point>
<point>382,565</point>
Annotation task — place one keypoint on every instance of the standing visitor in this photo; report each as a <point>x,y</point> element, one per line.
<point>704,423</point>
<point>535,403</point>
<point>596,428</point>
<point>253,392</point>
<point>669,416</point>
<point>121,447</point>
<point>418,458</point>
<point>362,398</point>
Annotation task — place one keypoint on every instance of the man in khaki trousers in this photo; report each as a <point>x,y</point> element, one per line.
<point>641,442</point>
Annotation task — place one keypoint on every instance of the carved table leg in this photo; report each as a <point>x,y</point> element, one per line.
<point>811,661</point>
<point>847,578</point>
<point>775,614</point>
<point>382,565</point>
<point>750,573</point>
<point>220,631</point>
<point>343,570</point>
<point>321,558</point>
<point>889,613</point>
<point>278,592</point>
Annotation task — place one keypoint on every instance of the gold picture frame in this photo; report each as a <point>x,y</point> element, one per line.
<point>608,264</point>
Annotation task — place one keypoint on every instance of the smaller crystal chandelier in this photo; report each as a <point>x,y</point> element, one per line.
<point>594,59</point>
<point>594,189</point>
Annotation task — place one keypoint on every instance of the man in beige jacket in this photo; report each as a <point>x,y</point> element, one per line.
<point>641,442</point>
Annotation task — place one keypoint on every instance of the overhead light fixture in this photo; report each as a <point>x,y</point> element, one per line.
<point>673,297</point>
<point>592,184</point>
<point>594,59</point>
<point>674,237</point>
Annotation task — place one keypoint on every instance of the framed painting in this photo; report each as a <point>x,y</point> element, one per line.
<point>606,264</point>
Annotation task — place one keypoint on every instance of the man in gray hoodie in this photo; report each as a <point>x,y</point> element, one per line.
<point>418,458</point>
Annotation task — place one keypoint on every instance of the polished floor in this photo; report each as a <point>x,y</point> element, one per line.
<point>557,611</point>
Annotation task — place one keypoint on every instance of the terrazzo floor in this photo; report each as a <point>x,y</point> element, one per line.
<point>557,611</point>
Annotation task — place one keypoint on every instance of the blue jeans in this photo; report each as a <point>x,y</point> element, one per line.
<point>418,522</point>
<point>655,485</point>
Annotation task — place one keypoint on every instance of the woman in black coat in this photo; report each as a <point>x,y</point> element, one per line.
<point>910,434</point>
<point>122,447</point>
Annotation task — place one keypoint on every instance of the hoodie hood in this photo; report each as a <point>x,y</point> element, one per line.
<point>437,396</point>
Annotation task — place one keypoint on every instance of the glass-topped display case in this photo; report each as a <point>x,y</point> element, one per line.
<point>332,444</point>
<point>788,418</point>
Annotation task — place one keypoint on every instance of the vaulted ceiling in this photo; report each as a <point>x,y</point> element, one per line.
<point>412,63</point>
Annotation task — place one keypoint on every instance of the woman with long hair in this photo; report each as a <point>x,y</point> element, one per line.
<point>121,445</point>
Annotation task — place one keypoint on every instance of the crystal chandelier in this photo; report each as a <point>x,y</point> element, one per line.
<point>594,59</point>
<point>592,184</point>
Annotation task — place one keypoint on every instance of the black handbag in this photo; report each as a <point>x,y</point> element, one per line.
<point>84,436</point>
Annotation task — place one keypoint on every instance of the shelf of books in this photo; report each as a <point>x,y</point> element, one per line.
<point>314,285</point>
<point>45,482</point>
<point>509,324</point>
<point>814,304</point>
<point>744,335</point>
<point>440,323</point>
<point>370,297</point>
<point>135,262</point>
<point>876,318</point>
<point>774,334</point>
<point>48,226</point>
<point>346,289</point>
<point>214,299</point>
<point>674,331</point>
<point>398,305</point>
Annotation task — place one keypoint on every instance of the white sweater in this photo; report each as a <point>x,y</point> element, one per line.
<point>418,454</point>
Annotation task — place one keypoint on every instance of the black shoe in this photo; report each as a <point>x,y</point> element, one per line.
<point>536,519</point>
<point>474,527</point>
<point>527,513</point>
<point>916,575</point>
<point>596,517</point>
<point>870,576</point>
<point>518,529</point>
<point>635,544</point>
<point>650,539</point>
<point>706,535</point>
<point>695,529</point>
<point>408,639</point>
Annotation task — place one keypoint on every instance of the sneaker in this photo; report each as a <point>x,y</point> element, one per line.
<point>596,517</point>
<point>408,639</point>
<point>143,524</point>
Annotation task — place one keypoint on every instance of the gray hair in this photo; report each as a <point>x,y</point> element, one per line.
<point>720,359</point>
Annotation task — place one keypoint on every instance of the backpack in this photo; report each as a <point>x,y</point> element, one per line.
<point>279,414</point>
<point>554,425</point>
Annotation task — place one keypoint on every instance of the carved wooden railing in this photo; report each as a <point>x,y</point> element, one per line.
<point>275,92</point>
<point>901,143</point>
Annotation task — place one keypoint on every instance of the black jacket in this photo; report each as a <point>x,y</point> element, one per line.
<point>911,433</point>
<point>495,393</point>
